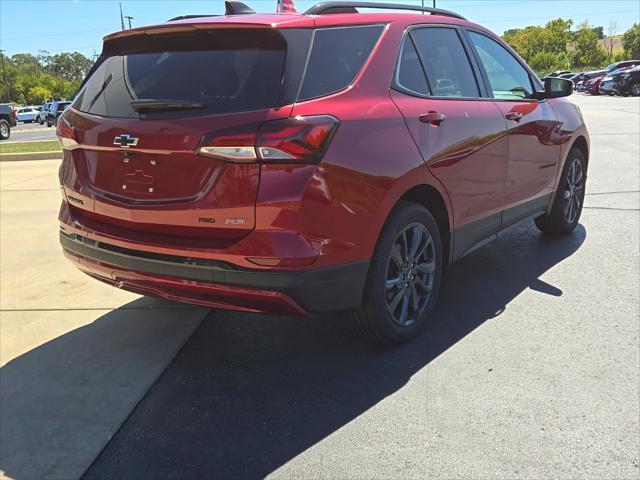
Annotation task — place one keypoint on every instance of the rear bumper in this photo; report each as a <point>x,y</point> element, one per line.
<point>219,284</point>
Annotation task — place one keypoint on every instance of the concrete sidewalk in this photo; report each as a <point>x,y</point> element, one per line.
<point>21,157</point>
<point>75,355</point>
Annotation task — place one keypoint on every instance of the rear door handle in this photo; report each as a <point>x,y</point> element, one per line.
<point>433,118</point>
<point>514,116</point>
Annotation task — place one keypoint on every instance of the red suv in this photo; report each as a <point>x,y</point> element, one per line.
<point>316,162</point>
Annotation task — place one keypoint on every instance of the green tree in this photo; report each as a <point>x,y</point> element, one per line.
<point>631,42</point>
<point>69,66</point>
<point>26,63</point>
<point>586,52</point>
<point>8,76</point>
<point>557,35</point>
<point>25,78</point>
<point>546,62</point>
<point>553,37</point>
<point>38,95</point>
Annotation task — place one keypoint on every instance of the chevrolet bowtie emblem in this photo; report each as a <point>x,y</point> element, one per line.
<point>125,141</point>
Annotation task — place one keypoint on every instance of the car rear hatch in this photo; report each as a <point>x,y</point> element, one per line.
<point>133,132</point>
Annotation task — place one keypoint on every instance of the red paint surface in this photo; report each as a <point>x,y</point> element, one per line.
<point>301,216</point>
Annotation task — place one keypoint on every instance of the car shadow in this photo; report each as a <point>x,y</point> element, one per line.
<point>248,393</point>
<point>61,402</point>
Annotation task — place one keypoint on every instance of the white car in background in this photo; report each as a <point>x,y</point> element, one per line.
<point>27,114</point>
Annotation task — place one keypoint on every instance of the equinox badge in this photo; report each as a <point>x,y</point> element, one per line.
<point>125,140</point>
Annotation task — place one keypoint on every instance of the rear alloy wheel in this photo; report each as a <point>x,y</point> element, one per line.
<point>409,276</point>
<point>567,205</point>
<point>635,89</point>
<point>574,191</point>
<point>5,130</point>
<point>404,277</point>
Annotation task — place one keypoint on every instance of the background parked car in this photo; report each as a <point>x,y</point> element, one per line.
<point>581,86</point>
<point>621,65</point>
<point>556,74</point>
<point>27,114</point>
<point>577,78</point>
<point>592,86</point>
<point>629,82</point>
<point>54,112</point>
<point>7,120</point>
<point>608,82</point>
<point>42,114</point>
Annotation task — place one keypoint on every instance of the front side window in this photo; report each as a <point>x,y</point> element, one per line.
<point>446,63</point>
<point>508,79</point>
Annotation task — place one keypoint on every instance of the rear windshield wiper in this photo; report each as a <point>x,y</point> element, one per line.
<point>153,105</point>
<point>101,91</point>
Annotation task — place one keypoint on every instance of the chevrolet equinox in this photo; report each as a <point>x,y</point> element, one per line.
<point>305,163</point>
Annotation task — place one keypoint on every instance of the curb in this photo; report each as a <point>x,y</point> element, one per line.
<point>12,157</point>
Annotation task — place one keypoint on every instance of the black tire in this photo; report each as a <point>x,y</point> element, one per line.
<point>40,121</point>
<point>5,130</point>
<point>569,198</point>
<point>634,89</point>
<point>373,319</point>
<point>49,124</point>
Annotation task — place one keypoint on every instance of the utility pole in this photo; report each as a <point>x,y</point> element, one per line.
<point>434,3</point>
<point>121,17</point>
<point>129,18</point>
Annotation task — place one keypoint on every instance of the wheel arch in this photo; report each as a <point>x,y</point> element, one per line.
<point>431,198</point>
<point>581,144</point>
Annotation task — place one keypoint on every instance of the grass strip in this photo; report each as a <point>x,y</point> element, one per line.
<point>30,147</point>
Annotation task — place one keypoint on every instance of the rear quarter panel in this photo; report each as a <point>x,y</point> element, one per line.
<point>372,161</point>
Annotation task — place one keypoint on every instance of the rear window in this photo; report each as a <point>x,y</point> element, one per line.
<point>337,56</point>
<point>228,70</point>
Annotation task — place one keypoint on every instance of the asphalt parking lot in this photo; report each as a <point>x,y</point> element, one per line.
<point>30,132</point>
<point>530,368</point>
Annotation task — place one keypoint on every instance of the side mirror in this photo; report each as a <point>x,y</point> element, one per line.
<point>557,87</point>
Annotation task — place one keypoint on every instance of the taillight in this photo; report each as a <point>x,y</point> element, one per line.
<point>292,140</point>
<point>66,134</point>
<point>233,145</point>
<point>14,112</point>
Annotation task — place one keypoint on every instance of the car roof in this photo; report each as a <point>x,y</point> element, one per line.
<point>289,20</point>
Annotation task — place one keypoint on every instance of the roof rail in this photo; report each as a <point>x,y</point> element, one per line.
<point>230,8</point>
<point>324,8</point>
<point>186,17</point>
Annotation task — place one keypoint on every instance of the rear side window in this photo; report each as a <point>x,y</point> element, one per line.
<point>445,60</point>
<point>230,70</point>
<point>507,77</point>
<point>337,56</point>
<point>410,73</point>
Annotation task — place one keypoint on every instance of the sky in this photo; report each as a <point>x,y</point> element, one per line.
<point>78,25</point>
